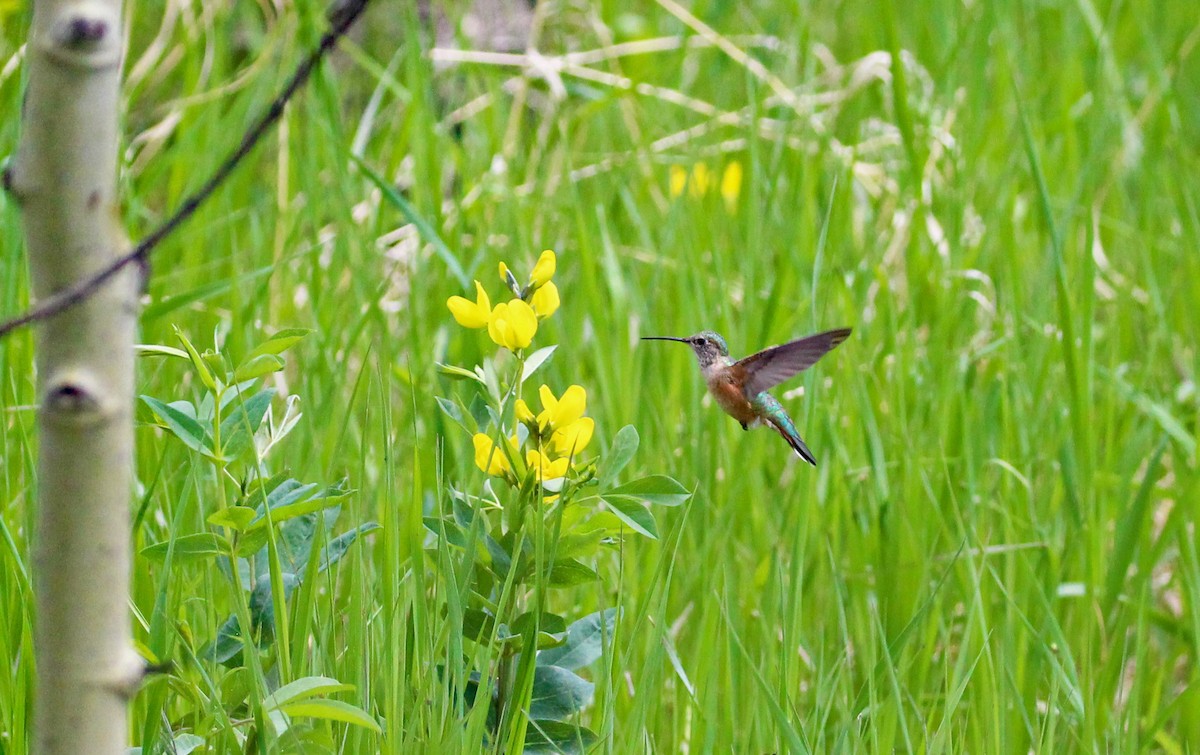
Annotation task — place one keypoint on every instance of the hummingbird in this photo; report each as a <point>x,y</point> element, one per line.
<point>740,387</point>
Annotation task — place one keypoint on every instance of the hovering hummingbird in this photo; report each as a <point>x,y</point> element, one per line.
<point>740,387</point>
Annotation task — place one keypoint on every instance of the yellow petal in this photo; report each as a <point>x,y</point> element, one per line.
<point>549,403</point>
<point>512,325</point>
<point>545,468</point>
<point>572,439</point>
<point>471,314</point>
<point>678,183</point>
<point>488,456</point>
<point>523,413</point>
<point>523,321</point>
<point>503,272</point>
<point>570,407</point>
<point>543,271</point>
<point>497,319</point>
<point>545,300</point>
<point>731,185</point>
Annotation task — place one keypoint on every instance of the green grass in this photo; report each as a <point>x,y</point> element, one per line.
<point>997,552</point>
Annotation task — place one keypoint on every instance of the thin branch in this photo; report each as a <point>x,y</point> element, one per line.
<point>342,17</point>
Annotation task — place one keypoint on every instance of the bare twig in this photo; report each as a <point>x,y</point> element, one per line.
<point>345,13</point>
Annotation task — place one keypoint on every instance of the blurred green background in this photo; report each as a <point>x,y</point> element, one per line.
<point>997,551</point>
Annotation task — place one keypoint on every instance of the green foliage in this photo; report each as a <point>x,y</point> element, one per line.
<point>266,539</point>
<point>997,551</point>
<point>525,531</point>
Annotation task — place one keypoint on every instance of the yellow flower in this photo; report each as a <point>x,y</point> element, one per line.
<point>545,300</point>
<point>471,314</point>
<point>731,185</point>
<point>523,413</point>
<point>679,177</point>
<point>491,458</point>
<point>543,271</point>
<point>561,412</point>
<point>544,467</point>
<point>512,325</point>
<point>510,280</point>
<point>570,440</point>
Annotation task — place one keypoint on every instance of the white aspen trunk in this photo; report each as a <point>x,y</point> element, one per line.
<point>64,178</point>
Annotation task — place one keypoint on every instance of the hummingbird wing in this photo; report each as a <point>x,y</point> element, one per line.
<point>770,367</point>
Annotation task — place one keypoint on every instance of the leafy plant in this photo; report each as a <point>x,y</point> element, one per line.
<point>538,522</point>
<point>271,538</point>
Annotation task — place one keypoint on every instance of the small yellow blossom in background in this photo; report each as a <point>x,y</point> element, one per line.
<point>512,325</point>
<point>545,468</point>
<point>471,314</point>
<point>731,185</point>
<point>678,180</point>
<point>491,458</point>
<point>545,300</point>
<point>543,271</point>
<point>700,180</point>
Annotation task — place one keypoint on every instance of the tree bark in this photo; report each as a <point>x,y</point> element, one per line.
<point>64,178</point>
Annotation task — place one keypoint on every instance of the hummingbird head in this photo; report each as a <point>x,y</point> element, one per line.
<point>707,345</point>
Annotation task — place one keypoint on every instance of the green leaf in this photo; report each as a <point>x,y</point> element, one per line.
<point>182,424</point>
<point>333,710</point>
<point>452,410</point>
<point>234,517</point>
<point>278,343</point>
<point>289,499</point>
<point>458,373</point>
<point>302,689</point>
<point>256,367</point>
<point>206,376</point>
<point>548,622</point>
<point>182,744</point>
<point>445,528</point>
<point>633,514</point>
<point>477,625</point>
<point>327,498</point>
<point>558,693</point>
<point>568,572</point>
<point>188,548</point>
<point>262,607</point>
<point>295,538</point>
<point>536,360</point>
<point>238,428</point>
<point>227,644</point>
<point>423,226</point>
<point>656,489</point>
<point>585,641</point>
<point>154,349</point>
<point>337,547</point>
<point>556,738</point>
<point>624,446</point>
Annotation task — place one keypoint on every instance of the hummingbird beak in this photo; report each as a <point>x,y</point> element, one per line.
<point>665,338</point>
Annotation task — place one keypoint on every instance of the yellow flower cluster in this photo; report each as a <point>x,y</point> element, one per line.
<point>558,433</point>
<point>700,180</point>
<point>514,323</point>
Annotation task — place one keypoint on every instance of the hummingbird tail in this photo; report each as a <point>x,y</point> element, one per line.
<point>794,440</point>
